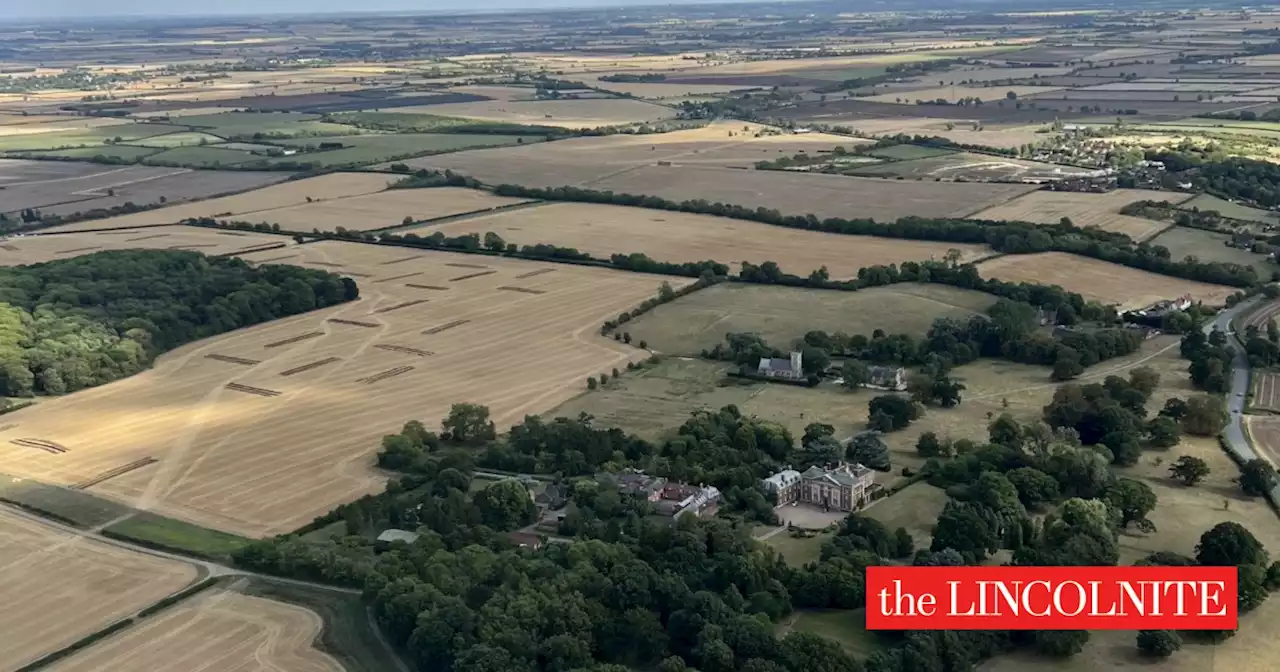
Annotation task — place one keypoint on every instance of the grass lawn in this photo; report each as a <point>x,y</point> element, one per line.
<point>916,508</point>
<point>798,551</point>
<point>73,507</point>
<point>908,152</point>
<point>374,148</point>
<point>1209,246</point>
<point>177,536</point>
<point>782,315</point>
<point>1228,209</point>
<point>348,633</point>
<point>845,627</point>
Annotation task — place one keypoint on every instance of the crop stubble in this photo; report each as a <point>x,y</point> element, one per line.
<point>1085,210</point>
<point>59,587</point>
<point>216,631</point>
<point>1128,288</point>
<point>238,460</point>
<point>603,230</point>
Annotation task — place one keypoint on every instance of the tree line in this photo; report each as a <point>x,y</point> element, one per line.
<point>74,323</point>
<point>1002,236</point>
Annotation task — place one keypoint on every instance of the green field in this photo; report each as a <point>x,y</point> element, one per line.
<point>916,508</point>
<point>375,148</point>
<point>246,125</point>
<point>418,122</point>
<point>72,507</point>
<point>180,139</point>
<point>246,146</point>
<point>1205,202</point>
<point>348,633</point>
<point>1209,246</point>
<point>177,536</point>
<point>781,315</point>
<point>847,628</point>
<point>85,137</point>
<point>123,152</point>
<point>655,400</point>
<point>908,152</point>
<point>202,157</point>
<point>798,551</point>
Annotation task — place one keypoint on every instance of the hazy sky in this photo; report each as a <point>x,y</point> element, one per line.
<point>93,8</point>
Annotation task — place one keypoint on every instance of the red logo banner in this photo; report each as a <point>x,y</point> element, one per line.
<point>1051,598</point>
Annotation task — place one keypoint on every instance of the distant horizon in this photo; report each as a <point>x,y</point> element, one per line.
<point>88,10</point>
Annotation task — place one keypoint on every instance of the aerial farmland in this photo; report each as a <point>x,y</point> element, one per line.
<point>371,342</point>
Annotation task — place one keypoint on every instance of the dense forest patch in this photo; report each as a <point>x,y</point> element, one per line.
<point>70,324</point>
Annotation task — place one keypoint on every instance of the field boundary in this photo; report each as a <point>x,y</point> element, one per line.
<point>458,217</point>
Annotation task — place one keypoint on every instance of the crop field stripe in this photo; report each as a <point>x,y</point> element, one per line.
<point>42,444</point>
<point>473,275</point>
<point>313,365</point>
<point>325,263</point>
<point>404,349</point>
<point>444,327</point>
<point>398,306</point>
<point>237,387</point>
<point>295,339</point>
<point>358,275</point>
<point>112,473</point>
<point>274,259</point>
<point>354,323</point>
<point>81,249</point>
<point>232,360</point>
<point>257,248</point>
<point>230,233</point>
<point>154,235</point>
<point>9,247</point>
<point>530,274</point>
<point>525,290</point>
<point>466,266</point>
<point>435,287</point>
<point>397,277</point>
<point>383,375</point>
<point>399,261</point>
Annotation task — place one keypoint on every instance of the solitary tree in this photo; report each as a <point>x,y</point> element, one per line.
<point>1189,469</point>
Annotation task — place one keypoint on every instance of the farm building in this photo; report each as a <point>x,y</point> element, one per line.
<point>842,487</point>
<point>669,498</point>
<point>786,369</point>
<point>1164,307</point>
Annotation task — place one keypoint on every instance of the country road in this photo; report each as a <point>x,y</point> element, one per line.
<point>1236,440</point>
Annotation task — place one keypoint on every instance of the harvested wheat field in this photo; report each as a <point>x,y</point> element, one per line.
<point>583,161</point>
<point>322,188</point>
<point>260,430</point>
<point>1101,281</point>
<point>604,230</point>
<point>59,587</point>
<point>382,209</point>
<point>586,113</point>
<point>217,631</point>
<point>36,249</point>
<point>1085,210</point>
